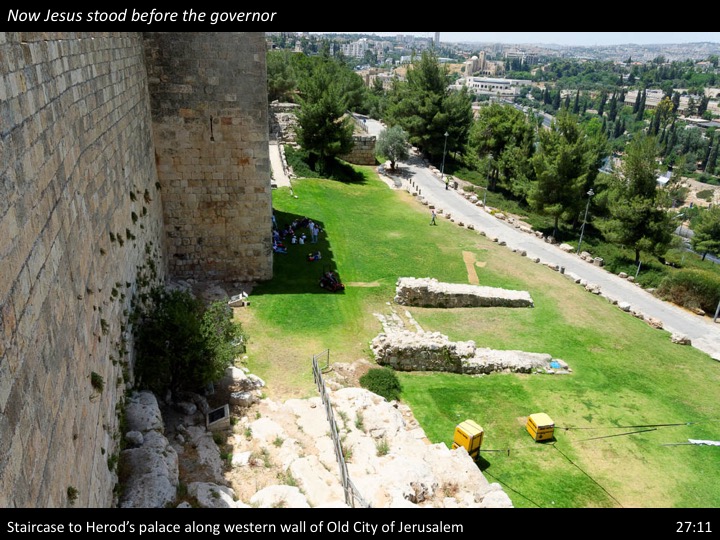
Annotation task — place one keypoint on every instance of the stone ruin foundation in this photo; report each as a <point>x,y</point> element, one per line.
<point>429,292</point>
<point>405,350</point>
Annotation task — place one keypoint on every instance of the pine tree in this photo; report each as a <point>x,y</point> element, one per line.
<point>323,130</point>
<point>638,210</point>
<point>565,165</point>
<point>707,232</point>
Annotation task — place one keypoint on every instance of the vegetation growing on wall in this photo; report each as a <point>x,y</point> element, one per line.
<point>182,344</point>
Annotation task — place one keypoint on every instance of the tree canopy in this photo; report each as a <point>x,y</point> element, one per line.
<point>503,137</point>
<point>324,130</point>
<point>425,108</point>
<point>637,207</point>
<point>393,144</point>
<point>707,233</point>
<point>565,165</point>
<point>182,344</point>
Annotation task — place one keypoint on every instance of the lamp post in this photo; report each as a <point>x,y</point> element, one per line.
<point>582,229</point>
<point>442,168</point>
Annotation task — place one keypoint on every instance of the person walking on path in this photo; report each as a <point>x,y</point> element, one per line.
<point>447,182</point>
<point>432,220</point>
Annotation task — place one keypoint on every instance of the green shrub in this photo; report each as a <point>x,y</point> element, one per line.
<point>182,344</point>
<point>691,289</point>
<point>706,194</point>
<point>383,382</point>
<point>97,381</point>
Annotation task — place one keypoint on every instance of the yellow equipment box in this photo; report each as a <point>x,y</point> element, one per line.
<point>540,426</point>
<point>469,435</point>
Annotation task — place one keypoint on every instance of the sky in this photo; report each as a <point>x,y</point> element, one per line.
<point>564,38</point>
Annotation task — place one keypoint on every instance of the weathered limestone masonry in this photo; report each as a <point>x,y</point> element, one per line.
<point>363,150</point>
<point>210,125</point>
<point>405,350</point>
<point>429,292</point>
<point>80,233</point>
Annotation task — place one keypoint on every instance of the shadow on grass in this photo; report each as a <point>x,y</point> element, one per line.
<point>306,166</point>
<point>345,173</point>
<point>293,273</point>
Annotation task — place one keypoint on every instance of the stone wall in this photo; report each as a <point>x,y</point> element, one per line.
<point>429,292</point>
<point>363,151</point>
<point>80,235</point>
<point>83,233</point>
<point>210,127</point>
<point>405,350</point>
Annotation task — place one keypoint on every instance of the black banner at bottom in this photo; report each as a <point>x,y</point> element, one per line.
<point>232,523</point>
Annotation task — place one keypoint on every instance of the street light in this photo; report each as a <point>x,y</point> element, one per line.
<point>587,207</point>
<point>442,168</point>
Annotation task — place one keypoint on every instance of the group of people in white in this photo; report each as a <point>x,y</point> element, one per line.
<point>292,234</point>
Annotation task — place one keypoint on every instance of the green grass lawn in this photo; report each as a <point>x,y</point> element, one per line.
<point>611,414</point>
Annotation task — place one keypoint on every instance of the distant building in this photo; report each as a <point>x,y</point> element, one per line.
<point>437,39</point>
<point>524,56</point>
<point>356,49</point>
<point>491,86</point>
<point>479,65</point>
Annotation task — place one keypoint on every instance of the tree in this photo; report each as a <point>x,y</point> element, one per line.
<point>675,101</point>
<point>640,102</point>
<point>603,101</point>
<point>712,156</point>
<point>499,128</point>
<point>662,116</point>
<point>393,144</point>
<point>702,106</point>
<point>707,232</point>
<point>576,103</point>
<point>323,129</point>
<point>425,108</point>
<point>637,207</point>
<point>281,79</point>
<point>184,345</point>
<point>612,109</point>
<point>565,167</point>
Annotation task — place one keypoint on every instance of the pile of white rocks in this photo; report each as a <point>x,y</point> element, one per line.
<point>389,459</point>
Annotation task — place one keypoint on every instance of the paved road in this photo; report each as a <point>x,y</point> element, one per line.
<point>704,334</point>
<point>280,179</point>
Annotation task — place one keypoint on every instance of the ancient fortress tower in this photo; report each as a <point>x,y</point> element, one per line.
<point>126,158</point>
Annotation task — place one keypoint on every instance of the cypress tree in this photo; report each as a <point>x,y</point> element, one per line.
<point>676,101</point>
<point>612,110</point>
<point>712,158</point>
<point>603,101</point>
<point>641,107</point>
